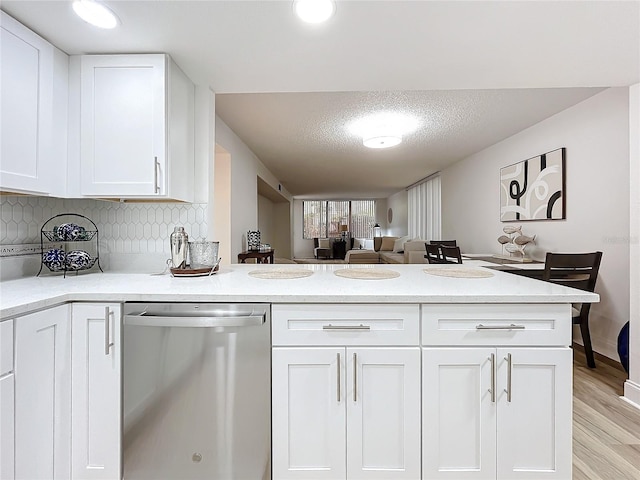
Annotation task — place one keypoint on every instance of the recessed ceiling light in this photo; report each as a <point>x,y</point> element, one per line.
<point>384,129</point>
<point>95,13</point>
<point>314,11</point>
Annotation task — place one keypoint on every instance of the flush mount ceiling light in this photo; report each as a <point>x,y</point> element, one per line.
<point>314,11</point>
<point>383,130</point>
<point>95,13</point>
<point>382,141</point>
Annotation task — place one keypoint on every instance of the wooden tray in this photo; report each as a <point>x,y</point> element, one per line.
<point>193,272</point>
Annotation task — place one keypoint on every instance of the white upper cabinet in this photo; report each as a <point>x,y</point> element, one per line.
<point>33,109</point>
<point>136,128</point>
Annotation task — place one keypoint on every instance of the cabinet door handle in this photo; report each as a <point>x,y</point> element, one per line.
<point>493,377</point>
<point>107,334</point>
<point>156,182</point>
<point>509,365</point>
<point>513,326</point>
<point>346,327</point>
<point>355,380</point>
<point>338,375</point>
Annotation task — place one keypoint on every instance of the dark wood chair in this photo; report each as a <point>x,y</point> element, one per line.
<point>448,243</point>
<point>450,254</point>
<point>434,255</point>
<point>577,270</point>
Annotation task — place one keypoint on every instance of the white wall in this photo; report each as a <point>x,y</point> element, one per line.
<point>596,136</point>
<point>302,247</point>
<point>282,229</point>
<point>399,204</point>
<point>245,169</point>
<point>265,220</point>
<point>632,386</point>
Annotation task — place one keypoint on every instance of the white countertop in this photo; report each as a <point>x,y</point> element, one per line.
<point>234,284</point>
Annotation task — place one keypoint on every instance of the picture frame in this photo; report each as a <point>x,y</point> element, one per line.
<point>534,189</point>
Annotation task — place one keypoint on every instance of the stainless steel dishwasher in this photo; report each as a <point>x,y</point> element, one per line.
<point>197,394</point>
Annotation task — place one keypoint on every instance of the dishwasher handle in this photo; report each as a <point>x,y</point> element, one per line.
<point>145,320</point>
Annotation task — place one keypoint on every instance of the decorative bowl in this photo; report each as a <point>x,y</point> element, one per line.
<point>69,231</point>
<point>78,260</point>
<point>54,259</point>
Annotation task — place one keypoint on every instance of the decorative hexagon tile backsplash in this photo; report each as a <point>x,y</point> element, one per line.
<point>123,227</point>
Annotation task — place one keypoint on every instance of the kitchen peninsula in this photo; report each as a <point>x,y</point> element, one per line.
<point>417,376</point>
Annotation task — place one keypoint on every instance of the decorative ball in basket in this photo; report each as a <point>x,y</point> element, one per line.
<point>253,240</point>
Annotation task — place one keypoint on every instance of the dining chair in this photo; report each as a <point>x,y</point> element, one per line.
<point>433,253</point>
<point>450,254</point>
<point>577,270</point>
<point>449,243</point>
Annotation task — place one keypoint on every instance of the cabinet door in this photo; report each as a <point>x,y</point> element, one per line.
<point>26,108</point>
<point>383,413</point>
<point>6,427</point>
<point>458,414</point>
<point>96,392</point>
<point>42,373</point>
<point>122,137</point>
<point>535,421</point>
<point>6,400</point>
<point>308,413</point>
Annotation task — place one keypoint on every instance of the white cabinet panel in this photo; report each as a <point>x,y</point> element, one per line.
<point>500,413</point>
<point>490,325</point>
<point>6,400</point>
<point>339,325</point>
<point>458,414</point>
<point>349,413</point>
<point>42,395</point>
<point>6,347</point>
<point>535,424</point>
<point>308,411</point>
<point>96,391</point>
<point>26,108</point>
<point>383,413</point>
<point>7,426</point>
<point>136,128</point>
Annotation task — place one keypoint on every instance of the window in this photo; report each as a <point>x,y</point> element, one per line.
<point>322,218</point>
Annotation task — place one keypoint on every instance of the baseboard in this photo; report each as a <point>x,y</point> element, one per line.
<point>632,393</point>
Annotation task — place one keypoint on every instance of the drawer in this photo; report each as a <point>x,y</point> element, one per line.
<point>337,324</point>
<point>6,347</point>
<point>499,324</point>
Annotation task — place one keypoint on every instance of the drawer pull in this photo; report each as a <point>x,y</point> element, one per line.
<point>107,335</point>
<point>338,375</point>
<point>492,358</point>
<point>509,373</point>
<point>355,377</point>
<point>347,327</point>
<point>513,326</point>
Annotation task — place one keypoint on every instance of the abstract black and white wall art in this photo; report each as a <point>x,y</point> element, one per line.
<point>534,189</point>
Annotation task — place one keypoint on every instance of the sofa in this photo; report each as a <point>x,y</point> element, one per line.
<point>390,250</point>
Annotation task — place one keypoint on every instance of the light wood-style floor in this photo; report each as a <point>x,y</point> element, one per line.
<point>606,429</point>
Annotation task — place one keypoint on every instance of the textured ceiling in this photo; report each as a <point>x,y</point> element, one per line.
<point>524,59</point>
<point>304,138</point>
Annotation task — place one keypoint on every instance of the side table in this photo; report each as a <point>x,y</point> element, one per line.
<point>261,256</point>
<point>339,249</point>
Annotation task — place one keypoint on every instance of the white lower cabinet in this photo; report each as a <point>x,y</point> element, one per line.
<point>346,413</point>
<point>96,391</point>
<point>6,400</point>
<point>42,374</point>
<point>496,413</point>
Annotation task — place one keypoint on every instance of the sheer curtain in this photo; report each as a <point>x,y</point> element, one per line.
<point>424,209</point>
